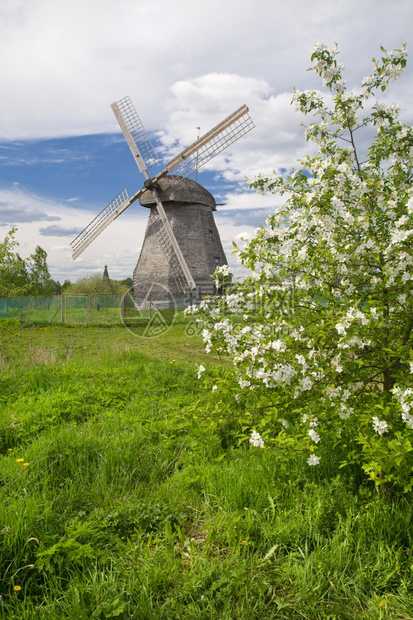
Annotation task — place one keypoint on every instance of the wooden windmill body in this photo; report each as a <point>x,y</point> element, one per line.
<point>189,208</point>
<point>182,248</point>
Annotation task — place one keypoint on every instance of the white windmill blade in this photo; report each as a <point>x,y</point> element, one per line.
<point>171,249</point>
<point>135,135</point>
<point>216,140</point>
<point>183,283</point>
<point>105,217</point>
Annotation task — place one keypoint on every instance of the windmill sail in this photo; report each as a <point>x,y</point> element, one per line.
<point>135,134</point>
<point>216,140</point>
<point>193,157</point>
<point>164,240</point>
<point>144,154</point>
<point>101,221</point>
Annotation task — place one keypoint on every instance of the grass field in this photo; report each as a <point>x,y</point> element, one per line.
<point>115,503</point>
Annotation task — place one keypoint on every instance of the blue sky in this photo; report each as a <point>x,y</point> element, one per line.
<point>81,169</point>
<point>185,64</point>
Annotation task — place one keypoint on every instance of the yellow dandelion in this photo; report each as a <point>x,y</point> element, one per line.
<point>17,588</point>
<point>26,464</point>
<point>9,450</point>
<point>244,542</point>
<point>19,460</point>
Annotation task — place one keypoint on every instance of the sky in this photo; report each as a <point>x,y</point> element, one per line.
<point>186,65</point>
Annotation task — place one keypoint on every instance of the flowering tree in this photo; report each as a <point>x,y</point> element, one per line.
<point>322,327</point>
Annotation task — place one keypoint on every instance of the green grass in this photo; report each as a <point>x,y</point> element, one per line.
<point>127,509</point>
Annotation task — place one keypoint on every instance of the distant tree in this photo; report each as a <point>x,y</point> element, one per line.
<point>127,282</point>
<point>65,286</point>
<point>23,277</point>
<point>96,285</point>
<point>13,271</point>
<point>56,287</point>
<point>40,282</point>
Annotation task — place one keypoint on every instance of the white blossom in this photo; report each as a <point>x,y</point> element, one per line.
<point>304,385</point>
<point>243,383</point>
<point>313,460</point>
<point>367,80</point>
<point>380,426</point>
<point>223,270</point>
<point>256,440</point>
<point>345,412</point>
<point>314,435</point>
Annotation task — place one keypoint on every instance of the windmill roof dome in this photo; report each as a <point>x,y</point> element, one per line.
<point>179,189</point>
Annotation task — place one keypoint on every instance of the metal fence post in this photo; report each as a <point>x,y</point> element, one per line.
<point>88,313</point>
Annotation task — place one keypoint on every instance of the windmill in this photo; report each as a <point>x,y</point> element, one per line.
<point>177,240</point>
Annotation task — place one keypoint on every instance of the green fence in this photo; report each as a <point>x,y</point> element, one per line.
<point>85,310</point>
<point>67,309</point>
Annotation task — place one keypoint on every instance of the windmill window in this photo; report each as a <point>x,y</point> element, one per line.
<point>217,261</point>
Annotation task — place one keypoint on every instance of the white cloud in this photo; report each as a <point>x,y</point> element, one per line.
<point>60,231</point>
<point>16,207</point>
<point>276,141</point>
<point>118,246</point>
<point>66,60</point>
